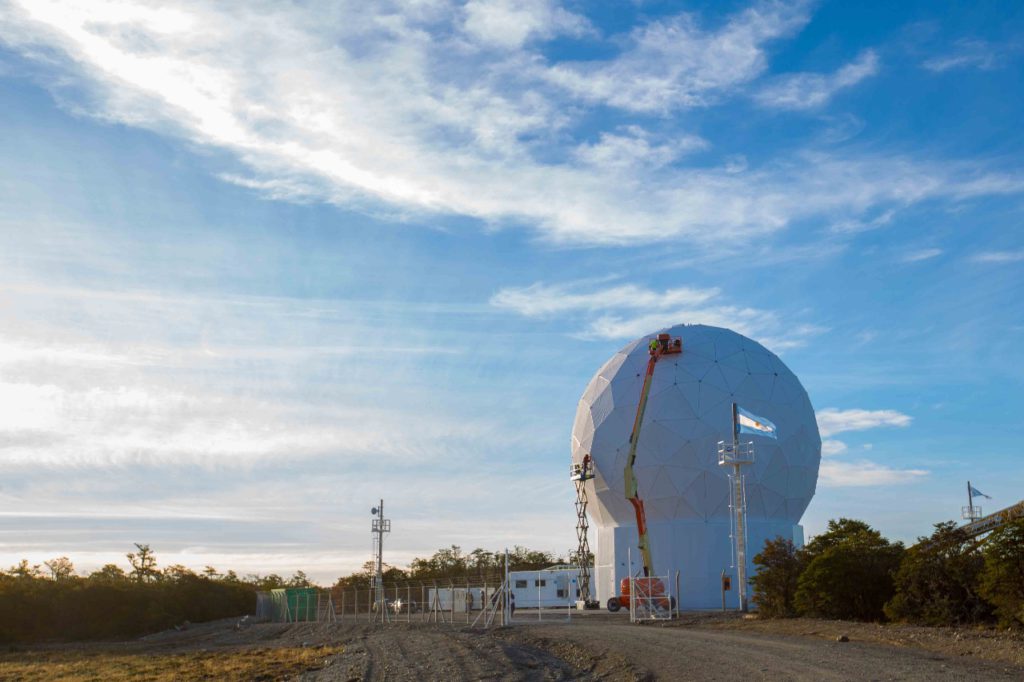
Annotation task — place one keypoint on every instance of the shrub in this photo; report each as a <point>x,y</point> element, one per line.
<point>1002,579</point>
<point>937,581</point>
<point>849,573</point>
<point>778,568</point>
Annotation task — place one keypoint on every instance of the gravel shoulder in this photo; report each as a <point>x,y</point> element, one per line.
<point>1001,646</point>
<point>605,647</point>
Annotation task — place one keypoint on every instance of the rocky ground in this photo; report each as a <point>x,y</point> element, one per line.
<point>596,646</point>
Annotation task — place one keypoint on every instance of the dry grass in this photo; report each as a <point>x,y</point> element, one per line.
<point>109,666</point>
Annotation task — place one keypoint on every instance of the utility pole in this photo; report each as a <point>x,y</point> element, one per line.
<point>735,455</point>
<point>379,527</point>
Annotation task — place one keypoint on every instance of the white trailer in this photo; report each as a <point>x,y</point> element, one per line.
<point>552,587</point>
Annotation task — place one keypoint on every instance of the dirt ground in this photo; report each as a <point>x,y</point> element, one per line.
<point>594,646</point>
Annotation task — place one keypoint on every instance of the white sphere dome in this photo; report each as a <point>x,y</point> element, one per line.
<point>689,410</point>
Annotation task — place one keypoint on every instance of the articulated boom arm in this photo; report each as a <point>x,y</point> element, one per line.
<point>663,345</point>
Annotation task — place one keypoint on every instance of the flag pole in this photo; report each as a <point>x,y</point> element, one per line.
<point>970,501</point>
<point>737,507</point>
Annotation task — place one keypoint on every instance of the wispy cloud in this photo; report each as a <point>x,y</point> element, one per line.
<point>830,448</point>
<point>965,54</point>
<point>832,421</point>
<point>812,90</point>
<point>673,63</point>
<point>920,255</point>
<point>841,474</point>
<point>545,299</point>
<point>837,472</point>
<point>997,257</point>
<point>626,311</point>
<point>508,24</point>
<point>852,226</point>
<point>634,146</point>
<point>422,110</point>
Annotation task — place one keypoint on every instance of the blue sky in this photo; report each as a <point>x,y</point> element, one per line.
<point>261,265</point>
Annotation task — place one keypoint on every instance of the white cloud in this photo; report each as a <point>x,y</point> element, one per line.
<point>673,63</point>
<point>626,311</point>
<point>511,23</point>
<point>633,146</point>
<point>966,54</point>
<point>153,425</point>
<point>997,257</point>
<point>812,90</point>
<point>544,299</point>
<point>832,421</point>
<point>840,474</point>
<point>396,111</point>
<point>830,448</point>
<point>851,226</point>
<point>922,254</point>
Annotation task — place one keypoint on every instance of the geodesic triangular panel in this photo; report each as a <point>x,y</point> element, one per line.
<point>689,411</point>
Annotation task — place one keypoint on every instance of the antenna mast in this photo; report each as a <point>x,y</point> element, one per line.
<point>379,527</point>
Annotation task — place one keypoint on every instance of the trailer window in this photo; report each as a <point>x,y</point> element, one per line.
<point>521,584</point>
<point>540,583</point>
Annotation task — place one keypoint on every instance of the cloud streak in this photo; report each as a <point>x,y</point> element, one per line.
<point>416,112</point>
<point>966,54</point>
<point>998,257</point>
<point>812,90</point>
<point>832,421</point>
<point>840,474</point>
<point>626,311</point>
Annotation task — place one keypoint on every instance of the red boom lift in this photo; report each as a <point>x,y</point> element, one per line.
<point>647,586</point>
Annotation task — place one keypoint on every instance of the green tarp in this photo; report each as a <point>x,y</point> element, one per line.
<point>294,604</point>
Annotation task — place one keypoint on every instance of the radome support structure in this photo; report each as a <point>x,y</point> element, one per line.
<point>736,455</point>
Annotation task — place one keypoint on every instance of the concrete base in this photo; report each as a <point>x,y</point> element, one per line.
<point>699,550</point>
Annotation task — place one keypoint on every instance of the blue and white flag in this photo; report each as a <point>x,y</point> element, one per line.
<point>977,493</point>
<point>751,423</point>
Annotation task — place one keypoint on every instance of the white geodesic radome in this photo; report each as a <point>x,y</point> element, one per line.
<point>685,492</point>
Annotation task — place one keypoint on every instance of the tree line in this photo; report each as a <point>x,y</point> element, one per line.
<point>852,572</point>
<point>51,601</point>
<point>55,603</point>
<point>451,563</point>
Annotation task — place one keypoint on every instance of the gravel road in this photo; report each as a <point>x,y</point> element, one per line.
<point>593,647</point>
<point>614,651</point>
<point>672,653</point>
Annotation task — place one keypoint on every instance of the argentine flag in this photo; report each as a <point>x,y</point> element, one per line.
<point>751,423</point>
<point>977,493</point>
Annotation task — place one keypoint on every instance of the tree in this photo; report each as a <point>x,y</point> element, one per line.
<point>936,583</point>
<point>269,582</point>
<point>110,573</point>
<point>143,564</point>
<point>778,568</point>
<point>25,571</point>
<point>61,568</point>
<point>177,573</point>
<point>299,579</point>
<point>849,573</point>
<point>1002,579</point>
